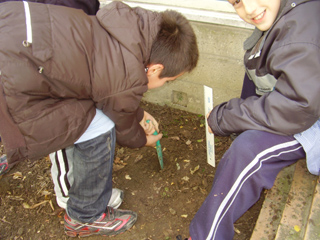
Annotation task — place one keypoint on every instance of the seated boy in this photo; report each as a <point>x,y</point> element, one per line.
<point>277,115</point>
<point>72,81</point>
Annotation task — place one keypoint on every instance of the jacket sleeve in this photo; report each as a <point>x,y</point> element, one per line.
<point>292,107</point>
<point>123,109</point>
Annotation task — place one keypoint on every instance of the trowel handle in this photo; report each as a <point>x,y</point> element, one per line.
<point>155,133</point>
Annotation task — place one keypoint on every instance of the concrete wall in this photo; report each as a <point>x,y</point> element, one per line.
<point>220,67</point>
<point>220,38</point>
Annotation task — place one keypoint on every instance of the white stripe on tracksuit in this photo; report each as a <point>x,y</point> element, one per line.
<point>241,180</point>
<point>62,175</point>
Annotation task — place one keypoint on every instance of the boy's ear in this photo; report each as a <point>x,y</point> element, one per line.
<point>155,68</point>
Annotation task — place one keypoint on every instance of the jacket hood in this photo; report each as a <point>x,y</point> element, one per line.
<point>134,28</point>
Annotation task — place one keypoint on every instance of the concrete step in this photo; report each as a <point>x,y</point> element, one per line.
<point>291,208</point>
<point>313,225</point>
<point>296,213</point>
<point>273,205</point>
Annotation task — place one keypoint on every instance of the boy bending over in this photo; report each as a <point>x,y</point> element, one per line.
<point>74,82</point>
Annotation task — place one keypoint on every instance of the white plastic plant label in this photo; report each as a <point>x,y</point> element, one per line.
<point>208,105</point>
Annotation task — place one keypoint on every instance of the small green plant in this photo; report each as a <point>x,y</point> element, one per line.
<point>165,134</point>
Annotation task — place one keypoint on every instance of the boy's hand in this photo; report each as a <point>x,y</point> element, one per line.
<point>152,126</point>
<point>209,128</point>
<point>152,140</point>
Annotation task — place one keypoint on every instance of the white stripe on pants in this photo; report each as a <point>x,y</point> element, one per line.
<point>62,174</point>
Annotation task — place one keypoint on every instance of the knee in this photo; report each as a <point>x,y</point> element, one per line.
<point>248,143</point>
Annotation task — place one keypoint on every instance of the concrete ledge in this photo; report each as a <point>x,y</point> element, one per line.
<point>212,16</point>
<point>291,207</point>
<point>271,211</point>
<point>313,224</point>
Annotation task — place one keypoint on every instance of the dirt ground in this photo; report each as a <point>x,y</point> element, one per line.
<point>165,200</point>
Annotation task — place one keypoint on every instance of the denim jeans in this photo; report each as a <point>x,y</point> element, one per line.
<point>92,170</point>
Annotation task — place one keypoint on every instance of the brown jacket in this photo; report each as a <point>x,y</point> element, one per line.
<point>52,82</point>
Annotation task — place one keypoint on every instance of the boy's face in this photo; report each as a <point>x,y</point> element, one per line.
<point>260,13</point>
<point>154,81</point>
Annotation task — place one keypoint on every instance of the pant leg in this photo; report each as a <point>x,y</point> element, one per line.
<point>92,172</point>
<point>62,174</point>
<point>63,160</point>
<point>250,165</point>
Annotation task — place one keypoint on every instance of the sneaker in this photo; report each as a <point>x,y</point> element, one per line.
<point>3,165</point>
<point>112,222</point>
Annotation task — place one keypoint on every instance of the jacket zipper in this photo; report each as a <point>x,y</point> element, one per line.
<point>27,42</point>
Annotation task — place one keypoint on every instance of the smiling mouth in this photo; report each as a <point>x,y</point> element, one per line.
<point>259,16</point>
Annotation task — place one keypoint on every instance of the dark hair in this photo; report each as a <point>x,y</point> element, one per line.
<point>175,46</point>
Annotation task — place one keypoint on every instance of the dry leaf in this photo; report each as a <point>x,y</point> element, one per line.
<point>117,160</point>
<point>185,178</point>
<point>178,166</point>
<point>195,169</point>
<point>138,158</point>
<point>117,167</point>
<point>45,193</point>
<point>128,177</point>
<point>175,138</point>
<point>17,175</point>
<point>297,228</point>
<point>25,205</point>
<point>120,151</point>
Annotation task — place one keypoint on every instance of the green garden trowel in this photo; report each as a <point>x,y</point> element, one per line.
<point>159,150</point>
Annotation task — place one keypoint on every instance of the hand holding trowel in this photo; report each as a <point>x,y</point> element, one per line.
<point>159,150</point>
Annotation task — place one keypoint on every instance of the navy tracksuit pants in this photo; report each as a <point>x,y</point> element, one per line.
<point>250,165</point>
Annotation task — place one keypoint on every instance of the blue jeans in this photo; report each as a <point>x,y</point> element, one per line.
<point>92,171</point>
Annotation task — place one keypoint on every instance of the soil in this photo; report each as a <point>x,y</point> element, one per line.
<point>165,200</point>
